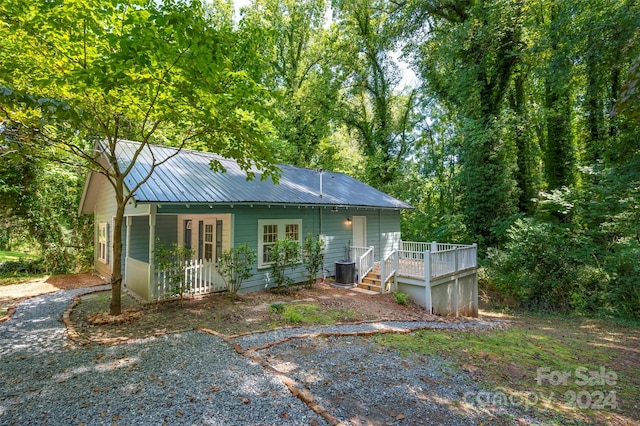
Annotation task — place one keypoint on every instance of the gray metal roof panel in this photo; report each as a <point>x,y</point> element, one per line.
<point>188,178</point>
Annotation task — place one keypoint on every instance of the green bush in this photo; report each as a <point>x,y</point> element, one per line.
<point>283,255</point>
<point>548,266</point>
<point>400,297</point>
<point>312,257</point>
<point>276,308</point>
<point>235,266</point>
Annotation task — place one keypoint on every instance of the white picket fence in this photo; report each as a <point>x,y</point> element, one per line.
<point>199,277</point>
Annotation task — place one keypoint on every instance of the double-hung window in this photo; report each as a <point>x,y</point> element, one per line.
<point>269,230</point>
<point>103,242</point>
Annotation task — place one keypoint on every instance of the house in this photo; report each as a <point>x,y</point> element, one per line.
<point>186,203</point>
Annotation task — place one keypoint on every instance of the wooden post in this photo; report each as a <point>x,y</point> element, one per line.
<point>427,279</point>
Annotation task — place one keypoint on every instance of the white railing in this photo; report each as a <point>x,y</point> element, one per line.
<point>432,246</point>
<point>364,261</point>
<point>442,263</point>
<point>444,259</point>
<point>388,268</point>
<point>415,246</point>
<point>467,257</point>
<point>411,263</point>
<point>357,252</point>
<point>199,277</point>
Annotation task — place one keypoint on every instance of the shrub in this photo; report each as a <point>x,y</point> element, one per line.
<point>276,308</point>
<point>401,298</point>
<point>547,266</point>
<point>312,257</point>
<point>283,255</point>
<point>170,261</point>
<point>235,265</point>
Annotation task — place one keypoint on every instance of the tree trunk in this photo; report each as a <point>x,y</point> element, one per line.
<point>115,306</point>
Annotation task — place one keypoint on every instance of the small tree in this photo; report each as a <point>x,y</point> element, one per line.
<point>283,255</point>
<point>234,266</point>
<point>312,257</point>
<point>170,262</point>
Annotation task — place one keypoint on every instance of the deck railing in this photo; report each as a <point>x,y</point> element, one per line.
<point>446,259</point>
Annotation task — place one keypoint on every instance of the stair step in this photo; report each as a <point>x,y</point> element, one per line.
<point>371,287</point>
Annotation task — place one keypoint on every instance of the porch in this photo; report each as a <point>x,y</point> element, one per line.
<point>440,277</point>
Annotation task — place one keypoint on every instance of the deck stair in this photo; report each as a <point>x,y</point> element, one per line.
<point>372,280</point>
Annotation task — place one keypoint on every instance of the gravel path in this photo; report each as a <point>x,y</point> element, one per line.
<point>187,378</point>
<point>258,340</point>
<point>196,378</point>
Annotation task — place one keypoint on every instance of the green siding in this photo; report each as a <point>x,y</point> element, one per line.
<point>383,231</point>
<point>246,231</point>
<point>139,245</point>
<point>167,229</point>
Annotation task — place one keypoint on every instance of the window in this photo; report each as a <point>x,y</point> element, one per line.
<point>103,242</point>
<point>271,229</point>
<point>208,241</point>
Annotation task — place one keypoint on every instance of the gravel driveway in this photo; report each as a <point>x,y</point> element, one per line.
<point>197,378</point>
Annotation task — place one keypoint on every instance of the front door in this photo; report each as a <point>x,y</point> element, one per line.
<point>211,251</point>
<point>359,224</point>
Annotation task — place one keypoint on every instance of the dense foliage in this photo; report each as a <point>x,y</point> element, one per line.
<point>519,129</point>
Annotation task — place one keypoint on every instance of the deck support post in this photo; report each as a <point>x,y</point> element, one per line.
<point>427,278</point>
<point>456,288</point>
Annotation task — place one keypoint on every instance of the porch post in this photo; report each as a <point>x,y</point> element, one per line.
<point>127,248</point>
<point>152,249</point>
<point>434,246</point>
<point>427,279</point>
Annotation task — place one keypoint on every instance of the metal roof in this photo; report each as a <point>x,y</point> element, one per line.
<point>188,178</point>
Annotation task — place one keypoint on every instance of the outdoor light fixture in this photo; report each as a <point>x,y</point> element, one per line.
<point>334,209</point>
<point>349,220</point>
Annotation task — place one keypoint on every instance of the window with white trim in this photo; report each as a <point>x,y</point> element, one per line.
<point>271,229</point>
<point>103,242</point>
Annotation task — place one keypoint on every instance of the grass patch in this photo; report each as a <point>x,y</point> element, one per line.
<point>14,256</point>
<point>17,267</point>
<point>528,357</point>
<point>311,314</point>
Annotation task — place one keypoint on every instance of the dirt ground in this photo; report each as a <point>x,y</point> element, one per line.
<point>49,285</point>
<point>231,315</point>
<point>10,294</point>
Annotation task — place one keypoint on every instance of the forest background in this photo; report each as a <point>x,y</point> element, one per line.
<point>520,130</point>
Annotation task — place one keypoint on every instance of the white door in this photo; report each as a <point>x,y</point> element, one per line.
<point>211,251</point>
<point>359,224</point>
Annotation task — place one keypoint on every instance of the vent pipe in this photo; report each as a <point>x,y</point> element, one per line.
<point>320,183</point>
